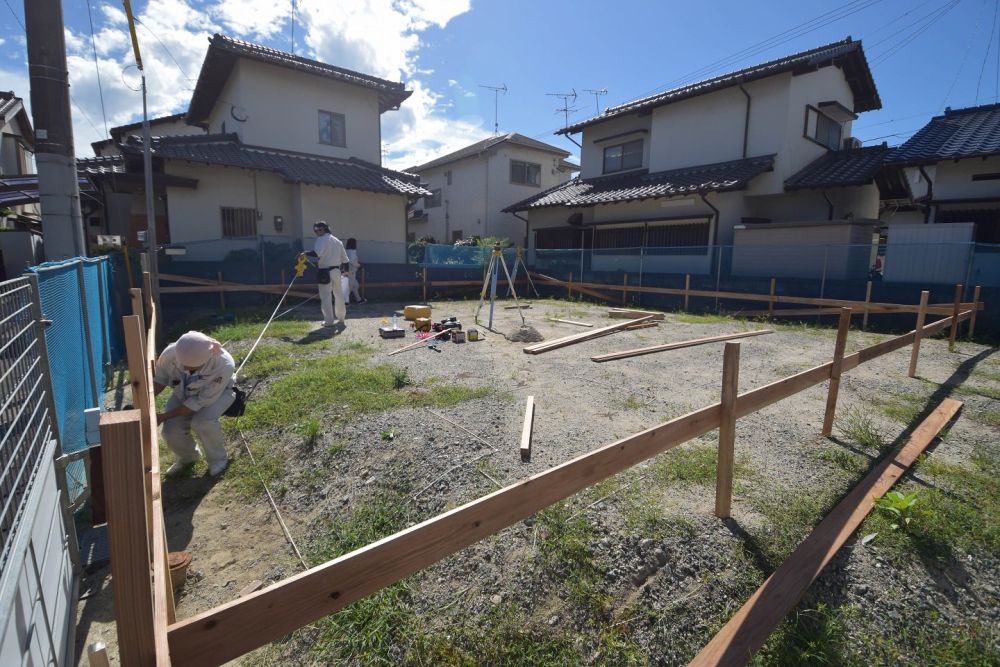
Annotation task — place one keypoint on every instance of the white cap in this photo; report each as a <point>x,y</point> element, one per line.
<point>194,349</point>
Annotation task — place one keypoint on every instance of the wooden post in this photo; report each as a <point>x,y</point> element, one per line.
<point>423,281</point>
<point>915,351</point>
<point>770,301</point>
<point>121,438</point>
<point>625,290</point>
<point>838,360</point>
<point>283,281</point>
<point>727,430</point>
<point>975,309</point>
<point>364,282</point>
<point>529,420</point>
<point>569,286</point>
<point>868,299</point>
<point>687,286</point>
<point>954,317</point>
<point>222,294</point>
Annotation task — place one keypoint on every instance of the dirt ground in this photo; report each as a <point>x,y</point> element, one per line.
<point>669,587</point>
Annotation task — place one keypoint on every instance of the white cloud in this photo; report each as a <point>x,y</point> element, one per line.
<point>380,37</point>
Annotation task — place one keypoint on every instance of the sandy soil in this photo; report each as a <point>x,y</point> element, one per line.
<point>580,405</point>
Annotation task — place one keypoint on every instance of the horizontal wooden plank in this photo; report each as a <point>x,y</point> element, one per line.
<point>748,629</point>
<point>546,346</point>
<point>754,400</point>
<point>628,314</point>
<point>789,312</point>
<point>230,630</point>
<point>626,354</point>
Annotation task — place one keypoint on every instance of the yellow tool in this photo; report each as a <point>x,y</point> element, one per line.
<point>300,267</point>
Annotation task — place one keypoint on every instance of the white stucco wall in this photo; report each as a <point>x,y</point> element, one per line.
<point>377,221</point>
<point>700,130</point>
<point>282,107</point>
<point>502,193</point>
<point>463,203</point>
<point>953,180</point>
<point>592,152</point>
<point>838,250</point>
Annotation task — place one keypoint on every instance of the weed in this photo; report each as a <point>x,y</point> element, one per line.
<point>565,552</point>
<point>847,461</point>
<point>336,447</point>
<point>244,479</point>
<point>979,390</point>
<point>388,435</point>
<point>249,329</point>
<point>790,516</point>
<point>898,508</point>
<point>631,403</point>
<point>309,430</point>
<point>858,426</point>
<point>400,378</point>
<point>988,417</point>
<point>903,407</point>
<point>808,637</point>
<point>703,318</point>
<point>691,464</point>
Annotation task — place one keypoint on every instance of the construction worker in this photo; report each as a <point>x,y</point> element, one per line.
<point>200,373</point>
<point>331,260</point>
<point>352,273</point>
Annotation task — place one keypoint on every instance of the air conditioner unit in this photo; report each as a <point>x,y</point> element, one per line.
<point>109,240</point>
<point>850,143</point>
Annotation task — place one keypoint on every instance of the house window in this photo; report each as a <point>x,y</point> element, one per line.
<point>525,173</point>
<point>678,235</point>
<point>332,129</point>
<point>456,235</point>
<point>238,222</point>
<point>618,237</point>
<point>823,130</point>
<point>411,237</point>
<point>434,200</point>
<point>447,176</point>
<point>623,156</point>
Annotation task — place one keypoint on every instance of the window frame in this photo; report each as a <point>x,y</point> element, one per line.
<point>621,159</point>
<point>434,201</point>
<point>814,136</point>
<point>234,219</point>
<point>526,168</point>
<point>333,116</point>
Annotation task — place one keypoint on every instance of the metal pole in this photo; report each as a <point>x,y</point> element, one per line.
<point>822,284</point>
<point>105,338</point>
<point>493,288</point>
<point>147,167</point>
<point>87,342</point>
<point>718,276</point>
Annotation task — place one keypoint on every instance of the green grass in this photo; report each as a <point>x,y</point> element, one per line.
<point>979,390</point>
<point>565,553</point>
<point>242,477</point>
<point>961,510</point>
<point>343,378</point>
<point>309,430</point>
<point>248,329</point>
<point>903,407</point>
<point>858,425</point>
<point>807,637</point>
<point>789,515</point>
<point>630,402</point>
<point>845,460</point>
<point>703,318</point>
<point>988,417</point>
<point>691,464</point>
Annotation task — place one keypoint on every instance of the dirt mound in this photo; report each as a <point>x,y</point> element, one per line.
<point>526,334</point>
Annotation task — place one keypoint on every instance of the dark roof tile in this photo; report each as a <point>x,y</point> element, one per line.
<point>959,133</point>
<point>847,54</point>
<point>639,185</point>
<point>840,168</point>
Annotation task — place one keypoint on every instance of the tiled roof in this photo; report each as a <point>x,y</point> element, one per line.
<point>8,102</point>
<point>226,149</point>
<point>20,190</point>
<point>639,185</point>
<point>959,133</point>
<point>98,166</point>
<point>485,144</point>
<point>840,168</point>
<point>223,52</point>
<point>846,54</point>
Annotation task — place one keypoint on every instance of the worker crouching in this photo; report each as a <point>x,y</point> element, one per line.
<point>200,373</point>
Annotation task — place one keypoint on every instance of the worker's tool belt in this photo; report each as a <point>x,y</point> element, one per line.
<point>323,276</point>
<point>239,404</point>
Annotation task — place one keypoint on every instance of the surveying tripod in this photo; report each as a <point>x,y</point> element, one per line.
<point>519,261</point>
<point>490,281</point>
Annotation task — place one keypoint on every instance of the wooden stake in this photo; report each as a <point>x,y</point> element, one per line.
<point>750,627</point>
<point>222,294</point>
<point>955,322</point>
<point>128,537</point>
<point>625,289</point>
<point>423,281</point>
<point>687,286</point>
<point>569,286</point>
<point>975,309</point>
<point>727,430</point>
<point>529,419</point>
<point>625,354</point>
<point>770,303</point>
<point>919,333</point>
<point>868,298</point>
<point>364,282</point>
<point>97,655</point>
<point>838,360</point>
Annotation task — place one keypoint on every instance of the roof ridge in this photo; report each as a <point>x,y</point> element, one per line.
<point>949,112</point>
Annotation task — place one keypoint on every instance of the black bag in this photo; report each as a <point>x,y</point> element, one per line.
<point>323,276</point>
<point>239,404</point>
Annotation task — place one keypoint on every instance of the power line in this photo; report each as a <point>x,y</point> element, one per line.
<point>931,19</point>
<point>169,54</point>
<point>16,17</point>
<point>965,56</point>
<point>97,68</point>
<point>989,45</point>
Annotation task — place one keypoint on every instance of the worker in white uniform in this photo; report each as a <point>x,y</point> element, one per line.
<point>352,272</point>
<point>200,373</point>
<point>331,259</point>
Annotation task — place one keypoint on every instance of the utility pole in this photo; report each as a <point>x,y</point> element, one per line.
<point>147,167</point>
<point>58,187</point>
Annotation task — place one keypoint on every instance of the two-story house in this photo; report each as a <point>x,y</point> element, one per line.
<point>20,240</point>
<point>471,186</point>
<point>284,141</point>
<point>695,165</point>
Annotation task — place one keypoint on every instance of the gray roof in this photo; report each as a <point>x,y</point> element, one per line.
<point>639,185</point>
<point>488,143</point>
<point>224,51</point>
<point>11,109</point>
<point>99,166</point>
<point>958,133</point>
<point>846,54</point>
<point>857,166</point>
<point>226,149</point>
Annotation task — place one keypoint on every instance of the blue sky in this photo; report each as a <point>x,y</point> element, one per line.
<point>925,55</point>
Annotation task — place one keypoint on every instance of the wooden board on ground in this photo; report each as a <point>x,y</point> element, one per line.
<point>579,324</point>
<point>625,354</point>
<point>529,419</point>
<point>545,346</point>
<point>628,314</point>
<point>750,627</point>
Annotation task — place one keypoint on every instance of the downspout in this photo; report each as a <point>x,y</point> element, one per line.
<point>746,122</point>
<point>930,194</point>
<point>573,140</point>
<point>715,234</point>
<point>527,230</point>
<point>829,205</point>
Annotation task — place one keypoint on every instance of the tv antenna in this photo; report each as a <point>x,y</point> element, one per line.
<point>566,98</point>
<point>597,92</point>
<point>502,88</point>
